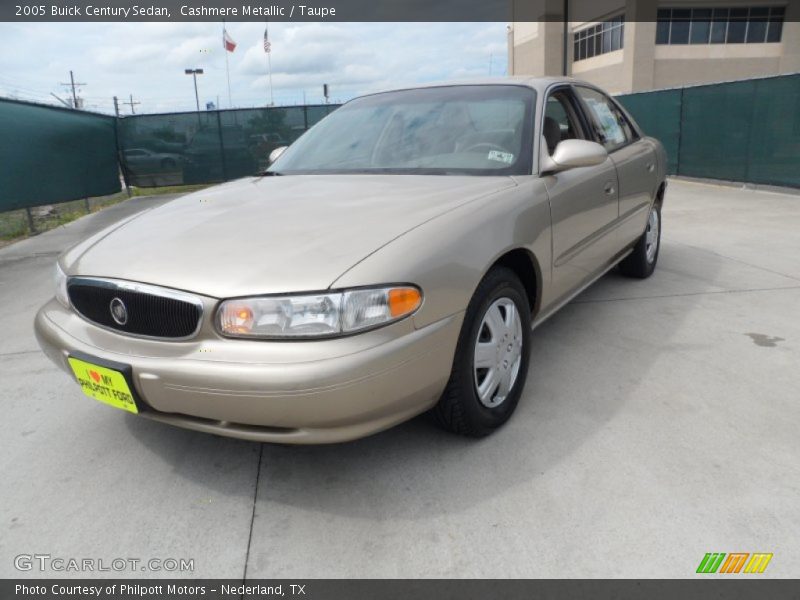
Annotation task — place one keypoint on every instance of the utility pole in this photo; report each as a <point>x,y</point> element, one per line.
<point>73,85</point>
<point>132,104</point>
<point>116,106</point>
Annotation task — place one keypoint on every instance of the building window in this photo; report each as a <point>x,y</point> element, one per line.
<point>678,26</point>
<point>607,36</point>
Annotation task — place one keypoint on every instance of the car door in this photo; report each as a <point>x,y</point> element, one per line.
<point>634,158</point>
<point>583,201</point>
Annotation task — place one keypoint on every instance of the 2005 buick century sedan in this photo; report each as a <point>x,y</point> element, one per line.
<point>393,260</point>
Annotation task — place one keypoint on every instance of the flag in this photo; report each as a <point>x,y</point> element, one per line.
<point>267,45</point>
<point>227,42</point>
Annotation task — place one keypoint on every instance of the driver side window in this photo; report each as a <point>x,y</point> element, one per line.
<point>560,121</point>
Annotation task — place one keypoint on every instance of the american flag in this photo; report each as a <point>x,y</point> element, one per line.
<point>267,44</point>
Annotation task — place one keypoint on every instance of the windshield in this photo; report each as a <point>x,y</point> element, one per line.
<point>477,129</point>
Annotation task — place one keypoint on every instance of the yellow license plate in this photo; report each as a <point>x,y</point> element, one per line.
<point>103,384</point>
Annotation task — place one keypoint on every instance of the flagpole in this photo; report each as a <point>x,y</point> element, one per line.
<point>268,52</point>
<point>269,67</point>
<point>228,73</point>
<point>227,66</point>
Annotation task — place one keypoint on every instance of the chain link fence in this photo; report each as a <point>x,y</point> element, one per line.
<point>208,147</point>
<point>52,155</point>
<point>744,131</point>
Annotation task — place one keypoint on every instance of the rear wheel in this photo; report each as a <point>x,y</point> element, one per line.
<point>491,360</point>
<point>642,261</point>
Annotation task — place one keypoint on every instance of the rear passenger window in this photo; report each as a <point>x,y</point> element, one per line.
<point>613,129</point>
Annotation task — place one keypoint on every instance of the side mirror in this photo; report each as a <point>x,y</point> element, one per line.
<point>275,154</point>
<point>571,154</point>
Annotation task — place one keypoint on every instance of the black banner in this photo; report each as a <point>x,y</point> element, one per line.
<point>400,589</point>
<point>339,10</point>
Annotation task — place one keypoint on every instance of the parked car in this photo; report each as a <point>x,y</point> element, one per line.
<point>142,161</point>
<point>393,260</point>
<point>218,155</point>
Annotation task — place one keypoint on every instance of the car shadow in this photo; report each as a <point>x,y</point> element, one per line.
<point>587,361</point>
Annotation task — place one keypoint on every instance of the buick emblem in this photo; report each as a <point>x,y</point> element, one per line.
<point>118,311</point>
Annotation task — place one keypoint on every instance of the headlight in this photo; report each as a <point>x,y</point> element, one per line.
<point>61,286</point>
<point>316,315</point>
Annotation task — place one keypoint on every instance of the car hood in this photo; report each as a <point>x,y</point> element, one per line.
<point>272,234</point>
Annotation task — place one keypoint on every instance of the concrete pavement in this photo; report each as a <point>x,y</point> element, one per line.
<point>659,422</point>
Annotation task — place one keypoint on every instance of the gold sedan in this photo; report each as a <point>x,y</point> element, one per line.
<point>393,260</point>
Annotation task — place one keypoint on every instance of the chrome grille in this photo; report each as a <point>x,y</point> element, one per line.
<point>148,311</point>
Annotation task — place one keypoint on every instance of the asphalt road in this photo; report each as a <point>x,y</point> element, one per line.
<point>659,422</point>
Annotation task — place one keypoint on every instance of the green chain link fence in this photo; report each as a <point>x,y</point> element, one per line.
<point>51,155</point>
<point>208,147</point>
<point>744,131</point>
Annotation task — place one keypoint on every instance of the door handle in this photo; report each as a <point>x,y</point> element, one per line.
<point>609,189</point>
<point>651,167</point>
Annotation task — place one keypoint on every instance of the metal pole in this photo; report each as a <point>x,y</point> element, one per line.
<point>116,106</point>
<point>133,110</point>
<point>123,167</point>
<point>227,67</point>
<point>74,96</point>
<point>679,158</point>
<point>565,62</point>
<point>196,95</point>
<point>86,205</point>
<point>31,226</point>
<point>269,66</point>
<point>228,73</point>
<point>222,148</point>
<point>67,104</point>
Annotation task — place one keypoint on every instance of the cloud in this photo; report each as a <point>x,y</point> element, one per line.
<point>148,60</point>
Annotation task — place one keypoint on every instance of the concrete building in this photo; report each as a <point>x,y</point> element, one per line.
<point>639,45</point>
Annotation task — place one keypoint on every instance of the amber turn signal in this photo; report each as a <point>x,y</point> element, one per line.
<point>403,301</point>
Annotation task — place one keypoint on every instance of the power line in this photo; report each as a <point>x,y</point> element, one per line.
<point>12,84</point>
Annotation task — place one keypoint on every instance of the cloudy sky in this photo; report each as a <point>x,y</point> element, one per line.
<point>148,60</point>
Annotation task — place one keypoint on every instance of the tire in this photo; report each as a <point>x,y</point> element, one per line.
<point>460,409</point>
<point>642,261</point>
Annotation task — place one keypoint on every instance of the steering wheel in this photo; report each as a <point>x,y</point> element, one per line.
<point>488,145</point>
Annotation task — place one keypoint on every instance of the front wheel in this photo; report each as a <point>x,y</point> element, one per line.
<point>491,360</point>
<point>642,261</point>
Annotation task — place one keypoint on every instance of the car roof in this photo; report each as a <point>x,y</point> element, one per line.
<point>540,84</point>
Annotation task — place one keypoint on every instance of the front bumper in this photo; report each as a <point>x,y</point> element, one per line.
<point>301,392</point>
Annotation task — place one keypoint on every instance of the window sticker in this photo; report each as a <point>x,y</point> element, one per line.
<point>503,157</point>
<point>608,122</point>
